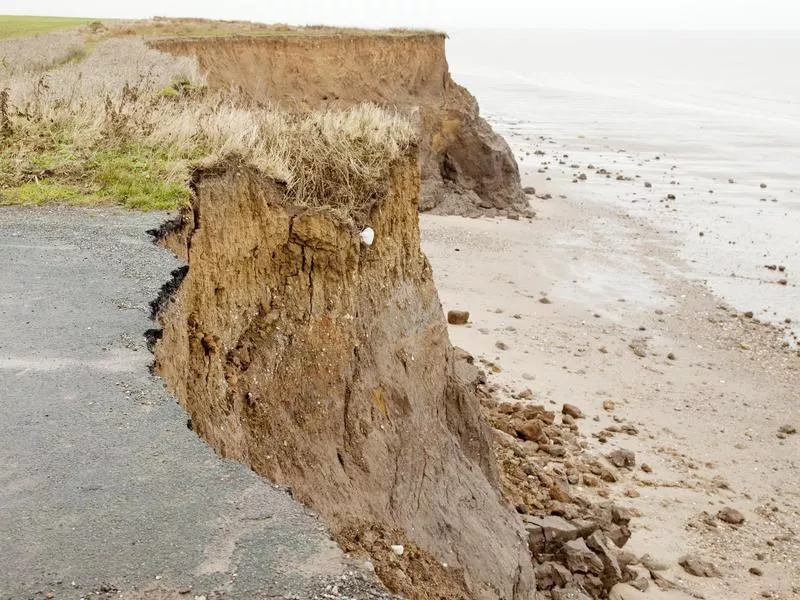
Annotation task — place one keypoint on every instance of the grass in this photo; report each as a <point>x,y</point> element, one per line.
<point>199,28</point>
<point>17,26</point>
<point>128,125</point>
<point>41,192</point>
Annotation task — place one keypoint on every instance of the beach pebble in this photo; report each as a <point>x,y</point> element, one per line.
<point>698,567</point>
<point>731,516</point>
<point>622,458</point>
<point>457,317</point>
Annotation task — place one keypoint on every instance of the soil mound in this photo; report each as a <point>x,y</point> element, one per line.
<point>467,169</point>
<point>325,365</point>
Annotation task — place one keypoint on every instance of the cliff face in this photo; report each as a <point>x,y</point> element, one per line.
<point>466,167</point>
<point>325,365</point>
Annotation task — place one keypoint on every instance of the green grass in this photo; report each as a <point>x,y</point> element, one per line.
<point>131,176</point>
<point>41,192</point>
<point>15,26</point>
<point>137,178</point>
<point>205,28</point>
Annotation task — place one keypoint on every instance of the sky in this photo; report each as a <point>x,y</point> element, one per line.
<point>449,14</point>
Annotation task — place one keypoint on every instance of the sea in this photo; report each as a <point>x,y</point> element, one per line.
<point>712,118</point>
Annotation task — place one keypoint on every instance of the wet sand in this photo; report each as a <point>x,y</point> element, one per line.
<point>708,117</point>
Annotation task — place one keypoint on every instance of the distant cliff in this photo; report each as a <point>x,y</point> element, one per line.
<point>466,167</point>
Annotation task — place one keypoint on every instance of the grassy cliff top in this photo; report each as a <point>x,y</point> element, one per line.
<point>158,27</point>
<point>18,25</point>
<point>199,28</point>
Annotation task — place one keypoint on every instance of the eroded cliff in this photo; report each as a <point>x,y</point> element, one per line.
<point>325,364</point>
<point>466,167</point>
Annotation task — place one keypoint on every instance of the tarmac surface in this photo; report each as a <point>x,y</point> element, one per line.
<point>104,490</point>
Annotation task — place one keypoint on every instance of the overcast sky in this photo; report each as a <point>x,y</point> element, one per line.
<point>450,14</point>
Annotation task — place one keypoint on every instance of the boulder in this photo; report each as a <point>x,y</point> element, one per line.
<point>579,558</point>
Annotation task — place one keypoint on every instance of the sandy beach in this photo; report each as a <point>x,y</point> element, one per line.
<point>628,336</point>
<point>655,287</point>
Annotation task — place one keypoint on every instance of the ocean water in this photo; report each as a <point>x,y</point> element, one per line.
<point>712,106</point>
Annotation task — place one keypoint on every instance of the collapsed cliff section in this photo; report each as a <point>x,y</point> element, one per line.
<point>466,168</point>
<point>325,365</point>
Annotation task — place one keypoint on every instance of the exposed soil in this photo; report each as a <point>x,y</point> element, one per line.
<point>467,169</point>
<point>323,363</point>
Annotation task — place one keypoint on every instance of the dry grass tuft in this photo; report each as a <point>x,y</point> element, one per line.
<point>30,56</point>
<point>160,27</point>
<point>128,124</point>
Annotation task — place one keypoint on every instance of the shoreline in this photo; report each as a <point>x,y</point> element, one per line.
<point>708,421</point>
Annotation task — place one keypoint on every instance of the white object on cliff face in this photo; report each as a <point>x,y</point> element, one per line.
<point>367,236</point>
<point>398,549</point>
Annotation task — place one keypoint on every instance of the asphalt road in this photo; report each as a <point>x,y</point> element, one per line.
<point>104,491</point>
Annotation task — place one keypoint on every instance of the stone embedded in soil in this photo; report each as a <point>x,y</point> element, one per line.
<point>531,191</point>
<point>457,317</point>
<point>646,468</point>
<point>572,410</point>
<point>608,405</point>
<point>622,458</point>
<point>694,565</point>
<point>731,516</point>
<point>544,300</point>
<point>501,345</point>
<point>788,429</point>
<point>756,571</point>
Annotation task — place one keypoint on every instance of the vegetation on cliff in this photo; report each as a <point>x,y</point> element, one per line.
<point>127,124</point>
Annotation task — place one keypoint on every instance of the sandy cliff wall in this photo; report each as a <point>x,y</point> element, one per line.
<point>466,167</point>
<point>326,365</point>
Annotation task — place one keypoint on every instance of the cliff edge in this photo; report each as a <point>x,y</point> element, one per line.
<point>325,365</point>
<point>466,168</point>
